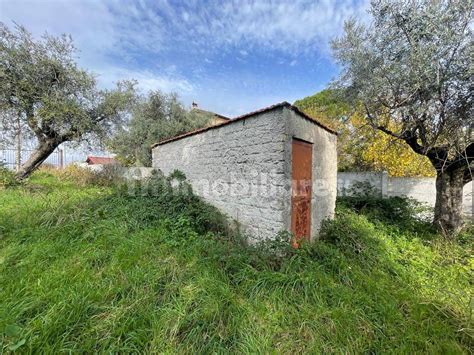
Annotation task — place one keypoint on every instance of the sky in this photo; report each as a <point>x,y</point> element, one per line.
<point>231,57</point>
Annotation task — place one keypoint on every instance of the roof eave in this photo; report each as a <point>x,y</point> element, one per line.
<point>247,115</point>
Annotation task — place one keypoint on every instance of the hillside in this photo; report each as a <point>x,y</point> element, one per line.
<point>94,269</point>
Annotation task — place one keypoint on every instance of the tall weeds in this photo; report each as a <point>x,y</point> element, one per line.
<point>104,269</point>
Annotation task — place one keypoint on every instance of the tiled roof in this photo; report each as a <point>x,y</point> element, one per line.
<point>100,160</point>
<point>247,115</point>
<point>204,112</point>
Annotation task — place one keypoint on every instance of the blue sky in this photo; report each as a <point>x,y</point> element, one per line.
<point>230,57</point>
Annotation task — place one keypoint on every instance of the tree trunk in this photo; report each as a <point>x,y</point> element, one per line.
<point>41,153</point>
<point>448,215</point>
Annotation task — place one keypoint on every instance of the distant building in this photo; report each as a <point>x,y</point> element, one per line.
<point>100,160</point>
<point>214,118</point>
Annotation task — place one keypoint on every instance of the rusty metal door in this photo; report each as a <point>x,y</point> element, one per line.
<point>302,161</point>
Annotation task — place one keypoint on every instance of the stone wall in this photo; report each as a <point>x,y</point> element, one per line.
<point>235,167</point>
<point>421,189</point>
<point>244,168</point>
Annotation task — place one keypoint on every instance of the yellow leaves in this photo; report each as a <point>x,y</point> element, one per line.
<point>385,153</point>
<point>378,151</point>
<point>361,147</point>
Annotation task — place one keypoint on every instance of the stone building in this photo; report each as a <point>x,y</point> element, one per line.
<point>213,118</point>
<point>271,170</point>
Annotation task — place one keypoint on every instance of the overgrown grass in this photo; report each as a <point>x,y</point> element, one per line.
<point>92,269</point>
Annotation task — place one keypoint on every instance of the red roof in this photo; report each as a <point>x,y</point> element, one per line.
<point>195,109</point>
<point>223,117</point>
<point>100,160</point>
<point>247,115</point>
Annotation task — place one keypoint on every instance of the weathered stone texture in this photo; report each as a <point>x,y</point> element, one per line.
<point>244,168</point>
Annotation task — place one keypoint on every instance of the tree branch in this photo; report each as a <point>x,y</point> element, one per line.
<point>465,159</point>
<point>33,124</point>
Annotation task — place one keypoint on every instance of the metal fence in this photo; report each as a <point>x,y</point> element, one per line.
<point>8,157</point>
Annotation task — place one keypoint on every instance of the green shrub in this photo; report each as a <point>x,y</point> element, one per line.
<point>402,213</point>
<point>149,267</point>
<point>172,197</point>
<point>7,178</point>
<point>109,175</point>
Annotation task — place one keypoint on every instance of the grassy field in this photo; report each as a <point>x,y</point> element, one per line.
<point>92,269</point>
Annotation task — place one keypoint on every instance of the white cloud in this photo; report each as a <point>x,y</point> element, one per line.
<point>124,26</point>
<point>147,80</point>
<point>120,39</point>
<point>185,16</point>
<point>99,29</point>
<point>89,22</point>
<point>296,26</point>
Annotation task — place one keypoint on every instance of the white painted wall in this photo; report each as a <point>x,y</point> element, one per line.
<point>421,189</point>
<point>129,173</point>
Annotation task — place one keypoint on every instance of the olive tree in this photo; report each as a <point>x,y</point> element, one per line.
<point>42,85</point>
<point>155,116</point>
<point>411,70</point>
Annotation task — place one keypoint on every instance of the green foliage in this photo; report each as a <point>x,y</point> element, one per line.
<point>408,75</point>
<point>99,269</point>
<point>360,147</point>
<point>177,175</point>
<point>171,197</point>
<point>401,213</point>
<point>58,102</point>
<point>411,70</point>
<point>7,178</point>
<point>327,105</point>
<point>44,87</point>
<point>155,117</point>
<point>109,175</point>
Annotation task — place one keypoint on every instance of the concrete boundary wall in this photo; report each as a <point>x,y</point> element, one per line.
<point>420,189</point>
<point>129,173</point>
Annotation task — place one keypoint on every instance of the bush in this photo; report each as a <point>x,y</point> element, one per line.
<point>172,197</point>
<point>109,175</point>
<point>402,213</point>
<point>7,178</point>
